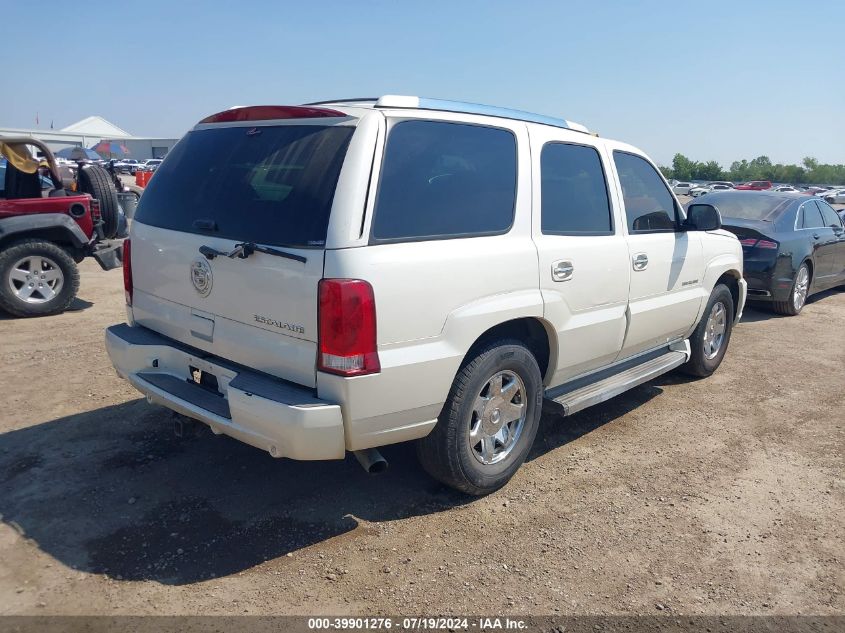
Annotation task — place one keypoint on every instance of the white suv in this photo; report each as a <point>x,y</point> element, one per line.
<point>340,276</point>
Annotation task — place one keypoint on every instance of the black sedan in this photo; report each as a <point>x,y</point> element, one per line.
<point>793,246</point>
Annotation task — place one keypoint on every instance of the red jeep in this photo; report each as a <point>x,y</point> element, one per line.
<point>755,185</point>
<point>46,228</point>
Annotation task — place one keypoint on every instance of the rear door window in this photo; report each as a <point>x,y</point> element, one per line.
<point>811,217</point>
<point>268,185</point>
<point>442,180</point>
<point>649,206</point>
<point>573,191</point>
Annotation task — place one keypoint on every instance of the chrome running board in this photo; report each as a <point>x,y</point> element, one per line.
<point>569,402</point>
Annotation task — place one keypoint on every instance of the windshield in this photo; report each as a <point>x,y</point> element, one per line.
<point>751,207</point>
<point>269,185</point>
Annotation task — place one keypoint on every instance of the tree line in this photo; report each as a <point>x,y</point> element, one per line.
<point>810,171</point>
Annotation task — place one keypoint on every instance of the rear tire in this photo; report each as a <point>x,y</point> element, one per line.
<point>20,294</point>
<point>709,341</point>
<point>797,294</point>
<point>96,181</point>
<point>489,421</point>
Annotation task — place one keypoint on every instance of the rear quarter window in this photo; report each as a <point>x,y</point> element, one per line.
<point>441,180</point>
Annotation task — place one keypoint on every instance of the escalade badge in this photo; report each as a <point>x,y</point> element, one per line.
<point>201,276</point>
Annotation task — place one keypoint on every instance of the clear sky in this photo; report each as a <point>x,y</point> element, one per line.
<point>715,80</point>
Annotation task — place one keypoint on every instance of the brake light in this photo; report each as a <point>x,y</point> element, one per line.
<point>347,330</point>
<point>127,271</point>
<point>265,113</point>
<point>753,243</point>
<point>767,244</point>
<point>95,209</point>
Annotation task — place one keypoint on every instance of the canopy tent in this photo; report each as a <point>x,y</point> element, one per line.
<point>78,153</point>
<point>110,148</point>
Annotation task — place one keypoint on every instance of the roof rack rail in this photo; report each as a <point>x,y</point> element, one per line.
<point>354,100</point>
<point>423,103</point>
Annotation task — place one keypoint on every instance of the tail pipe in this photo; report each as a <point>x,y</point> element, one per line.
<point>371,460</point>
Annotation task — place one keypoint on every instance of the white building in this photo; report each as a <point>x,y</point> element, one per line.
<point>92,130</point>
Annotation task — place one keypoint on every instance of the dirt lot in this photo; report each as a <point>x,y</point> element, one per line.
<point>720,496</point>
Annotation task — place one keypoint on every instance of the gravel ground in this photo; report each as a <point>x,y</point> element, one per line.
<point>716,496</point>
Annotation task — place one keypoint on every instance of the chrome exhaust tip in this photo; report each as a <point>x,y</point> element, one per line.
<point>371,460</point>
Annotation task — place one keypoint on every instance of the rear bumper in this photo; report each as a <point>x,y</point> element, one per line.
<point>108,253</point>
<point>767,282</point>
<point>284,419</point>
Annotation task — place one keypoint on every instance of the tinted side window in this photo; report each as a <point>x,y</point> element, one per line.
<point>445,180</point>
<point>648,204</point>
<point>573,190</point>
<point>812,217</point>
<point>829,215</point>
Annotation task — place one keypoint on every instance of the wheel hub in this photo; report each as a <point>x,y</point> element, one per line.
<point>492,420</point>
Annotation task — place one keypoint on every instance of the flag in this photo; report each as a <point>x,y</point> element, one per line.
<point>36,118</point>
<point>51,124</point>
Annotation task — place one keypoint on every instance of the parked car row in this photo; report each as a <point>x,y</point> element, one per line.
<point>131,166</point>
<point>833,195</point>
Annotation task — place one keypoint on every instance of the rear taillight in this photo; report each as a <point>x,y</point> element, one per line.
<point>127,271</point>
<point>95,209</point>
<point>764,244</point>
<point>767,244</point>
<point>347,330</point>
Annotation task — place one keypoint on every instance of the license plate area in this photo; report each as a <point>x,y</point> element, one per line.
<point>204,379</point>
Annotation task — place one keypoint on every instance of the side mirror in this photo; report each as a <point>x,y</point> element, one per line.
<point>703,217</point>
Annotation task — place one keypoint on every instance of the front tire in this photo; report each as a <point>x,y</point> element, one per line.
<point>709,341</point>
<point>489,421</point>
<point>37,278</point>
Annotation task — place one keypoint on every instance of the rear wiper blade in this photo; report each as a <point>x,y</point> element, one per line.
<point>245,249</point>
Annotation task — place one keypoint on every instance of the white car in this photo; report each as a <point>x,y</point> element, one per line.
<point>682,188</point>
<point>695,192</point>
<point>151,164</point>
<point>336,277</point>
<point>786,189</point>
<point>834,196</point>
<point>127,165</point>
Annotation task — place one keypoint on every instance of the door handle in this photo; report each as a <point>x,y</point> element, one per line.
<point>815,236</point>
<point>562,270</point>
<point>640,261</point>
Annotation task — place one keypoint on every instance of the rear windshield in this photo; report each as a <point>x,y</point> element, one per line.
<point>269,185</point>
<point>751,207</point>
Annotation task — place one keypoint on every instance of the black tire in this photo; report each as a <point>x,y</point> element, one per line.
<point>446,453</point>
<point>788,308</point>
<point>699,364</point>
<point>57,256</point>
<point>96,181</point>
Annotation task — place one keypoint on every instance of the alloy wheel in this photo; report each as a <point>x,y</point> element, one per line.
<point>36,279</point>
<point>802,285</point>
<point>498,417</point>
<point>714,330</point>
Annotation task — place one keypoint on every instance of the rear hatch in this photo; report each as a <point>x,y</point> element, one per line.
<point>263,192</point>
